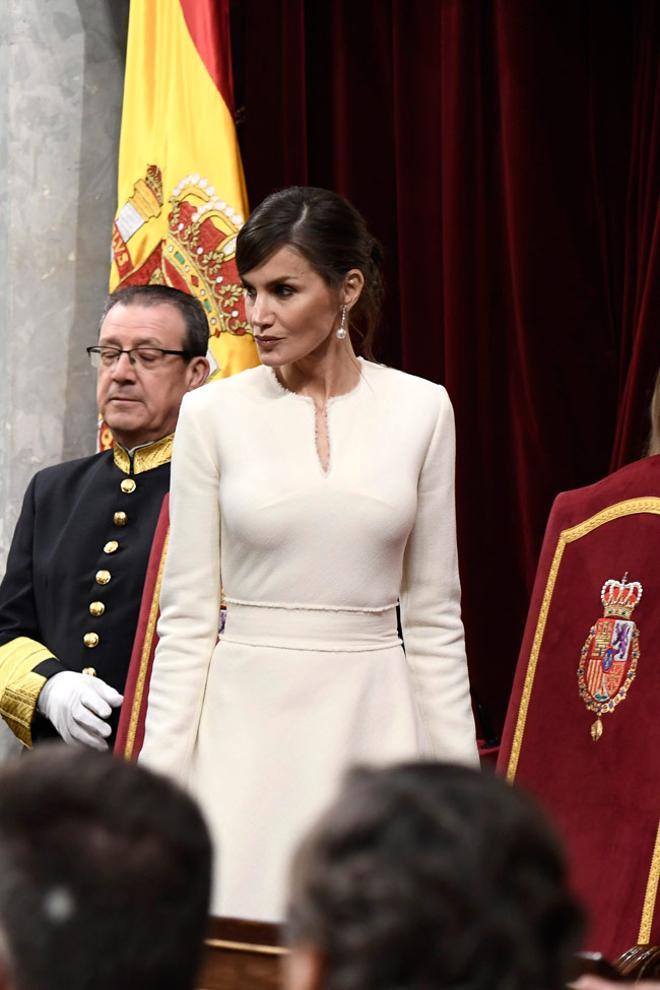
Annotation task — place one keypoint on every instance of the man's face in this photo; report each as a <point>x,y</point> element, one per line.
<point>142,404</point>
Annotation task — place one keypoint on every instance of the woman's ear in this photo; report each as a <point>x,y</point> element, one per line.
<point>352,288</point>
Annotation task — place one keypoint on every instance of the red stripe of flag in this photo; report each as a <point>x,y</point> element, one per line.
<point>208,24</point>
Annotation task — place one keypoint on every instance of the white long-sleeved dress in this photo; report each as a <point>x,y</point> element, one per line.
<point>309,675</point>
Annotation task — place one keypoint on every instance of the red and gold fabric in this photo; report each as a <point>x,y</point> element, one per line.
<point>181,192</point>
<point>130,732</point>
<point>582,731</point>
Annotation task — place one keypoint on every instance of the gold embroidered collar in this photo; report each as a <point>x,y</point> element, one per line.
<point>146,457</point>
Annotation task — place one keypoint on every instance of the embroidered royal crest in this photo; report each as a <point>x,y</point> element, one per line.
<point>608,662</point>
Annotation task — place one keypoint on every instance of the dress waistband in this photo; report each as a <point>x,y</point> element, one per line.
<point>310,628</point>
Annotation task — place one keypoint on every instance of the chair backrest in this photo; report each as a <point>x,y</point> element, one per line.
<point>582,730</point>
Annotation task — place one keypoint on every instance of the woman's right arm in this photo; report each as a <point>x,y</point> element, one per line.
<point>190,597</point>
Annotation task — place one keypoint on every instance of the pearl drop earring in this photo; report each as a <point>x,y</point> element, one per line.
<point>342,332</point>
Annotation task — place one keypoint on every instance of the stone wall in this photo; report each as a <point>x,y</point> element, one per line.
<point>61,80</point>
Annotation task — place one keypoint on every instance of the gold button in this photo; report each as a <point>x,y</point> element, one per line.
<point>96,608</point>
<point>111,546</point>
<point>120,519</point>
<point>91,640</point>
<point>103,577</point>
<point>90,671</point>
<point>128,486</point>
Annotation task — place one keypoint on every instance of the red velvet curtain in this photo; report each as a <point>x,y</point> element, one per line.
<point>506,154</point>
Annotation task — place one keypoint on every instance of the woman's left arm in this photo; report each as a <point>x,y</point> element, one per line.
<point>190,596</point>
<point>431,603</point>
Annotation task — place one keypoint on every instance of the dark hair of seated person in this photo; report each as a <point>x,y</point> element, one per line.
<point>104,875</point>
<point>196,341</point>
<point>428,875</point>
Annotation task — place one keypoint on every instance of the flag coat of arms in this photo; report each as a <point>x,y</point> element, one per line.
<point>181,191</point>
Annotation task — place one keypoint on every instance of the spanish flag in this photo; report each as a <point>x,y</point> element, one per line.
<point>181,191</point>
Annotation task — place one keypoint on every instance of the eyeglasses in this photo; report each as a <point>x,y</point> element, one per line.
<point>144,357</point>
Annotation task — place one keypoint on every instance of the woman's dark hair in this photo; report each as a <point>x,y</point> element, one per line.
<point>428,875</point>
<point>330,234</point>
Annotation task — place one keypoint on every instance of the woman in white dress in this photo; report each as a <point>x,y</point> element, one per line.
<point>318,491</point>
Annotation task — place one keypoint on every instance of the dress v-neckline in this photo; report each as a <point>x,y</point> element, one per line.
<point>321,415</point>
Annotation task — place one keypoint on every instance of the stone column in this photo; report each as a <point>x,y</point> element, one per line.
<point>61,81</point>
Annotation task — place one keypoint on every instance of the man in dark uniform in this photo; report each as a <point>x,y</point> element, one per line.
<point>71,594</point>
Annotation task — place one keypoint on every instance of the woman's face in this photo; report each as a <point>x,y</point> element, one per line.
<point>292,310</point>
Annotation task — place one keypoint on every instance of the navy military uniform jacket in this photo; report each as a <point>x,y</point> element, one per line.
<point>71,594</point>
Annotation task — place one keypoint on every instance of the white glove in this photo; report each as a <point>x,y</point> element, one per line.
<point>77,705</point>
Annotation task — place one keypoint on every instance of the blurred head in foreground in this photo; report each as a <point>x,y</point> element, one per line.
<point>428,876</point>
<point>104,875</point>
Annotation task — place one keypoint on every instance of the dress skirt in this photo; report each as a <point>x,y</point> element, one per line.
<point>294,696</point>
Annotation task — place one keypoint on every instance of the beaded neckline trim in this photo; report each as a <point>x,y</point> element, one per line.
<point>283,390</point>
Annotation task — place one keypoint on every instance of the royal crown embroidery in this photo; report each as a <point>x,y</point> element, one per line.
<point>608,662</point>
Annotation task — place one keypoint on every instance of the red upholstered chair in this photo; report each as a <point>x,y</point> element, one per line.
<point>583,726</point>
